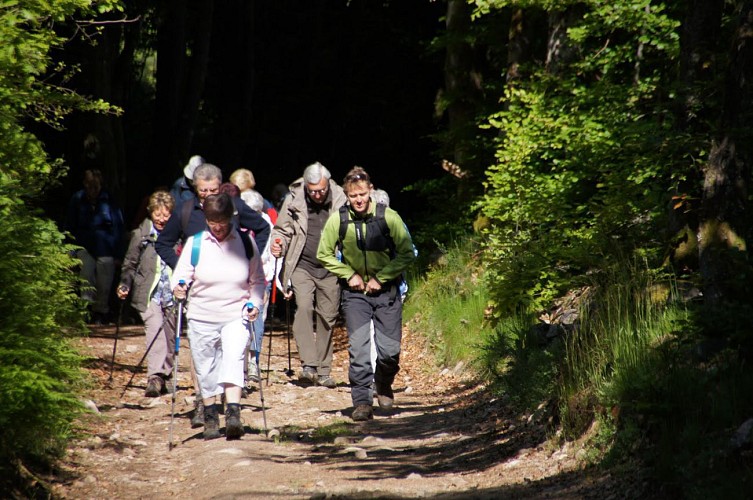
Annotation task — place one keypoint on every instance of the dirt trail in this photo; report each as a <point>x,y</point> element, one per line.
<point>445,438</point>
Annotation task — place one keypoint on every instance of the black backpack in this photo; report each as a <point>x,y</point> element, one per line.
<point>378,236</point>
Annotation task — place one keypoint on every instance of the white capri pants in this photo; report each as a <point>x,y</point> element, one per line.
<point>217,351</point>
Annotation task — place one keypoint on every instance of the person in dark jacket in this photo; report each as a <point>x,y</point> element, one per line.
<point>187,222</point>
<point>147,278</point>
<point>96,224</point>
<point>182,188</point>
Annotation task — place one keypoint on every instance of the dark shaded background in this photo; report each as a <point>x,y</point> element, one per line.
<point>336,82</point>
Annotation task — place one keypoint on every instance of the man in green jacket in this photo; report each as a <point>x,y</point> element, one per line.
<point>369,255</point>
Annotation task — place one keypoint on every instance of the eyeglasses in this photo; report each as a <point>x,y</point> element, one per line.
<point>320,192</point>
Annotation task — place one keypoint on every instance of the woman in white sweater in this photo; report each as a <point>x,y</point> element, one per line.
<point>222,269</point>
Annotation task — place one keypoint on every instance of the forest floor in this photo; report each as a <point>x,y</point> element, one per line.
<point>446,437</point>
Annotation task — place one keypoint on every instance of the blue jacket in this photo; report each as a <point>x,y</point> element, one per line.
<point>97,227</point>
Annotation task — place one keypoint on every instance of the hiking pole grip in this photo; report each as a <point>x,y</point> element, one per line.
<point>181,283</point>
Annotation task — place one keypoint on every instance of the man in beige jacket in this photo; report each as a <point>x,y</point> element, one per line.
<point>296,236</point>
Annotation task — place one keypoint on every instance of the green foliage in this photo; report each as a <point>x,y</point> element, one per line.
<point>448,304</point>
<point>624,317</point>
<point>442,221</point>
<point>39,367</point>
<point>585,158</point>
<point>523,368</point>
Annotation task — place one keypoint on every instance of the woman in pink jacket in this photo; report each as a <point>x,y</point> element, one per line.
<point>222,273</point>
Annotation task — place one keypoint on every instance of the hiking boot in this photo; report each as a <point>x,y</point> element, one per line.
<point>327,381</point>
<point>308,374</point>
<point>211,423</point>
<point>233,425</point>
<point>362,413</point>
<point>385,396</point>
<point>197,420</point>
<point>253,371</point>
<point>167,384</point>
<point>154,386</point>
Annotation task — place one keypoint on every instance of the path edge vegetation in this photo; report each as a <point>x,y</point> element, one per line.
<point>40,369</point>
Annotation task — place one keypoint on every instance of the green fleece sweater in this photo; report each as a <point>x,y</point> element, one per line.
<point>370,263</point>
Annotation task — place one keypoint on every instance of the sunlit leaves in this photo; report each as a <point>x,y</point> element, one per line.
<point>583,158</point>
<point>39,369</point>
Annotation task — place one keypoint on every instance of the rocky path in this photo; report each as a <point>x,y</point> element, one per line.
<point>446,438</point>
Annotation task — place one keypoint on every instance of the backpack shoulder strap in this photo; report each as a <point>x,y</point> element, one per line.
<point>185,215</point>
<point>343,222</point>
<point>196,248</point>
<point>383,227</point>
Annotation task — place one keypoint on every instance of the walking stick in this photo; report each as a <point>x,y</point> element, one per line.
<point>178,328</point>
<point>252,331</point>
<point>289,373</point>
<point>115,345</point>
<point>136,370</point>
<point>272,304</point>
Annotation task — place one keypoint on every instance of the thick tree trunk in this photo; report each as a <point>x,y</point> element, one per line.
<point>559,50</point>
<point>699,37</point>
<point>721,236</point>
<point>462,84</point>
<point>519,44</point>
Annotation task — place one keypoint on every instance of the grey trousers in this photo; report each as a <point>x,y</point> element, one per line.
<point>159,323</point>
<point>317,301</point>
<point>386,310</point>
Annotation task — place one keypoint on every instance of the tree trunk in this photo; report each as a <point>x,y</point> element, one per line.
<point>721,236</point>
<point>698,66</point>
<point>461,85</point>
<point>559,50</point>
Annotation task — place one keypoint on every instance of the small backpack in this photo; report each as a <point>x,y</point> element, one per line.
<point>378,236</point>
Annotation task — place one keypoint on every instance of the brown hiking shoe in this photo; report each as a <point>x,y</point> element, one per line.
<point>327,381</point>
<point>211,422</point>
<point>197,420</point>
<point>308,374</point>
<point>385,396</point>
<point>233,425</point>
<point>362,413</point>
<point>154,386</point>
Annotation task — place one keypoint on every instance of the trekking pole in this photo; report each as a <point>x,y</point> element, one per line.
<point>117,334</point>
<point>252,331</point>
<point>289,373</point>
<point>271,313</point>
<point>136,370</point>
<point>178,328</point>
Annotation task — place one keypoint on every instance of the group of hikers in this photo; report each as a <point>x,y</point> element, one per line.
<point>219,248</point>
